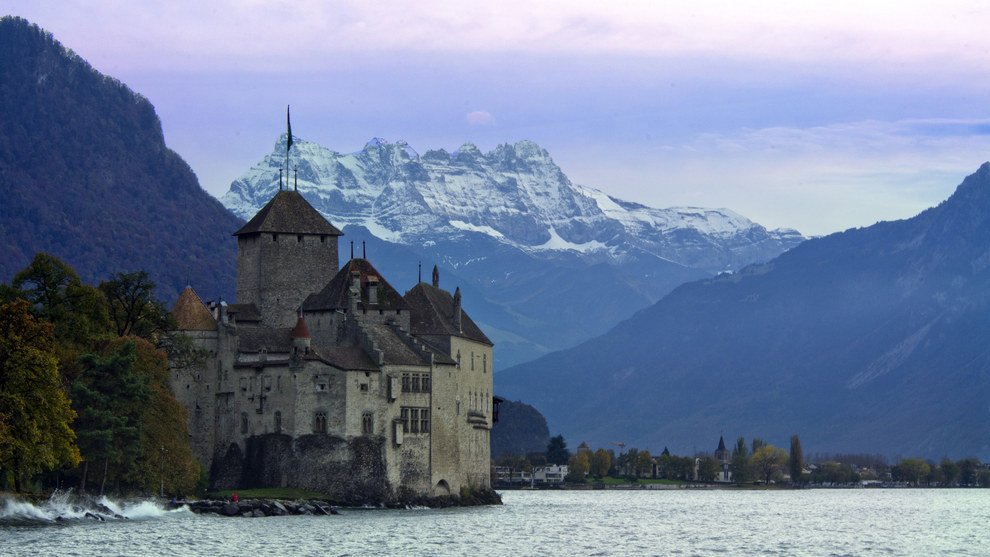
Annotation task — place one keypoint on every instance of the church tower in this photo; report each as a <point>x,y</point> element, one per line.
<point>285,253</point>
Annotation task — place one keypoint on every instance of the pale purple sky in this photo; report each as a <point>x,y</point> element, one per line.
<point>813,115</point>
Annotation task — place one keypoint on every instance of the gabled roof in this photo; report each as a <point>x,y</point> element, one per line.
<point>347,358</point>
<point>432,313</point>
<point>191,313</point>
<point>288,213</point>
<point>335,294</point>
<point>394,349</point>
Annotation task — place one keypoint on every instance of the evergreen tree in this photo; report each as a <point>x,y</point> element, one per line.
<point>796,461</point>
<point>34,410</point>
<point>110,399</point>
<point>739,465</point>
<point>557,452</point>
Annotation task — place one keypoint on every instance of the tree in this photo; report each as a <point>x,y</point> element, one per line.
<point>757,443</point>
<point>577,467</point>
<point>912,470</point>
<point>601,462</point>
<point>163,460</point>
<point>110,399</point>
<point>35,412</point>
<point>740,465</point>
<point>950,471</point>
<point>796,461</point>
<point>768,460</point>
<point>643,464</point>
<point>557,452</point>
<point>708,469</point>
<point>78,312</point>
<point>133,308</point>
<point>968,471</point>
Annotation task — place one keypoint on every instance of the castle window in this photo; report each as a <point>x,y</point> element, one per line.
<point>425,385</point>
<point>299,237</point>
<point>458,359</point>
<point>268,383</point>
<point>364,387</point>
<point>415,420</point>
<point>243,384</point>
<point>472,361</point>
<point>424,420</point>
<point>278,421</point>
<point>244,423</point>
<point>323,239</point>
<point>278,383</point>
<point>415,383</point>
<point>274,237</point>
<point>484,363</point>
<point>367,423</point>
<point>320,422</point>
<point>406,382</point>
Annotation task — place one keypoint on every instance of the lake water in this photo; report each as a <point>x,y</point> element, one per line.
<point>667,522</point>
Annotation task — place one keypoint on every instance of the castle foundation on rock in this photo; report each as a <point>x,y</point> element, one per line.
<point>326,378</point>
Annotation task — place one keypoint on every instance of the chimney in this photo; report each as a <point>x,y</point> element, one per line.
<point>457,309</point>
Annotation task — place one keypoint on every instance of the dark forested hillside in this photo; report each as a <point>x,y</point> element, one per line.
<point>871,340</point>
<point>520,430</point>
<point>85,175</point>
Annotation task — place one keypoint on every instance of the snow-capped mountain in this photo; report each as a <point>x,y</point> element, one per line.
<point>510,224</point>
<point>515,194</point>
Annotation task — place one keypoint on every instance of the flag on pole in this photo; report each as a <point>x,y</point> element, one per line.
<point>288,124</point>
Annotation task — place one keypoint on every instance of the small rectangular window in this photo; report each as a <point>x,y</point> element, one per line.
<point>426,383</point>
<point>415,383</point>
<point>406,383</point>
<point>424,420</point>
<point>367,423</point>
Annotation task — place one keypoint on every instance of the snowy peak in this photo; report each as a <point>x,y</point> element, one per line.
<point>514,194</point>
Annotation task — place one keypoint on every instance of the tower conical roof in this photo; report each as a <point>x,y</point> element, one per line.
<point>191,313</point>
<point>289,213</point>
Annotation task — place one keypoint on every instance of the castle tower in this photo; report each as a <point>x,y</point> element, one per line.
<point>285,253</point>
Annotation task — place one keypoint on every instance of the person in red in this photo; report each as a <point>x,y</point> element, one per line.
<point>234,497</point>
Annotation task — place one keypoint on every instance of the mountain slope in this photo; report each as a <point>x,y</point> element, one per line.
<point>872,340</point>
<point>85,175</point>
<point>511,225</point>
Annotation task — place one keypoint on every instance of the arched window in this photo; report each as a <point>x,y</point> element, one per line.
<point>367,423</point>
<point>320,422</point>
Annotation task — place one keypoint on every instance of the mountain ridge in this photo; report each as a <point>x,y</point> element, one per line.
<point>844,339</point>
<point>85,175</point>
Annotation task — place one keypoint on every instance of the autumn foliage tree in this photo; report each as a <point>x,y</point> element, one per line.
<point>35,413</point>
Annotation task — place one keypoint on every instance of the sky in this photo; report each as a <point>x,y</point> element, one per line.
<point>818,116</point>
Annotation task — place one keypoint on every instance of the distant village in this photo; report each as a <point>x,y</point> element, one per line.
<point>745,464</point>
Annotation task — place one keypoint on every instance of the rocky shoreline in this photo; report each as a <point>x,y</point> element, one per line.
<point>258,508</point>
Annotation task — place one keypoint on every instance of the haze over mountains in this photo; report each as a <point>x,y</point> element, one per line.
<point>85,175</point>
<point>871,340</point>
<point>545,263</point>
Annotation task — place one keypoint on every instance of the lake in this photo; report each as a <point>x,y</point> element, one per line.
<point>662,522</point>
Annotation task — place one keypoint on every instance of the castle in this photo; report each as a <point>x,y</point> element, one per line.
<point>326,378</point>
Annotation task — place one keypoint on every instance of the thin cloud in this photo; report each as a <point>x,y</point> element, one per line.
<point>480,118</point>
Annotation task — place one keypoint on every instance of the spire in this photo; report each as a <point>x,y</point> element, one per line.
<point>457,309</point>
<point>288,145</point>
<point>279,179</point>
<point>419,271</point>
<point>295,178</point>
<point>436,277</point>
